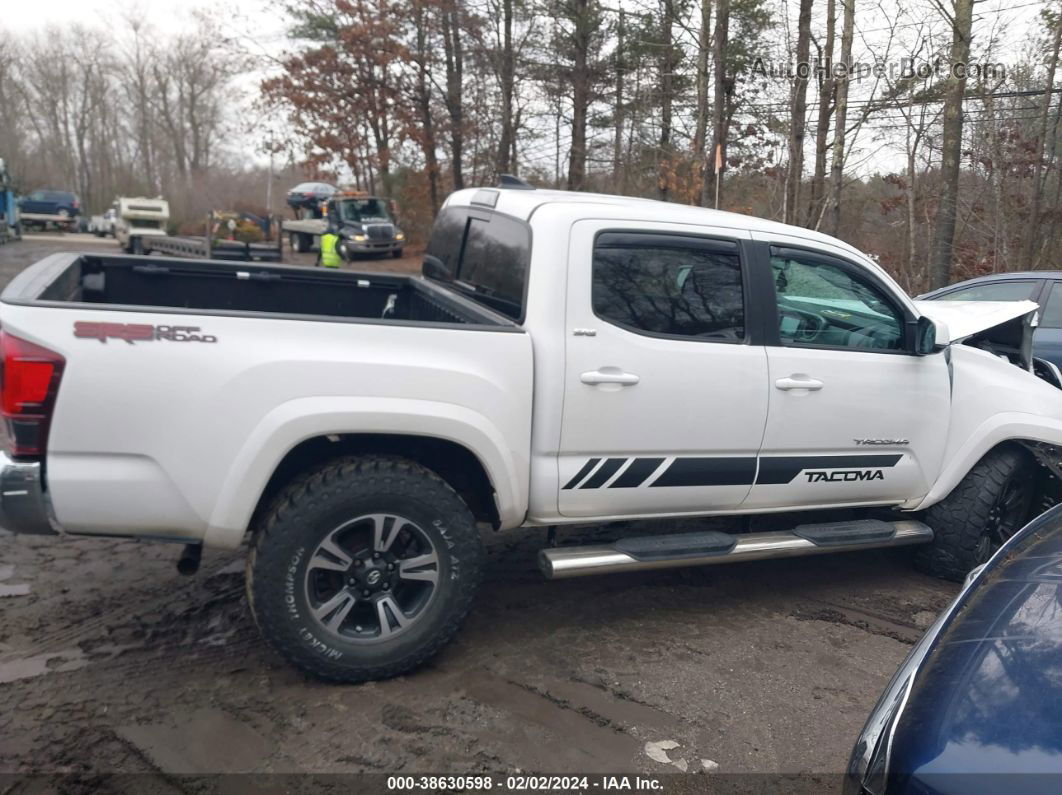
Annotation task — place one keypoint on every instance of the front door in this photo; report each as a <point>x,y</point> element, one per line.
<point>665,391</point>
<point>854,418</point>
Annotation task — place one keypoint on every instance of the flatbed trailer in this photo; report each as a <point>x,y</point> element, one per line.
<point>304,234</point>
<point>205,248</point>
<point>69,222</point>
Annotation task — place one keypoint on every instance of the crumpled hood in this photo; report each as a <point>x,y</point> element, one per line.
<point>965,318</point>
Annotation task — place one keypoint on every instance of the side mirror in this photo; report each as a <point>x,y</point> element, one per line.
<point>926,332</point>
<point>434,268</point>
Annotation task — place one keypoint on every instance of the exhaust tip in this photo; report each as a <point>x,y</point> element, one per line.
<point>188,562</point>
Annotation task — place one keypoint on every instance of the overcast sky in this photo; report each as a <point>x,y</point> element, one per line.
<point>27,16</point>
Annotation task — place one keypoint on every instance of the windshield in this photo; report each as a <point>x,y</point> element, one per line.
<point>357,211</point>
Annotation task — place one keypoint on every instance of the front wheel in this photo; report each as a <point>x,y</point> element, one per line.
<point>397,253</point>
<point>364,568</point>
<point>988,506</point>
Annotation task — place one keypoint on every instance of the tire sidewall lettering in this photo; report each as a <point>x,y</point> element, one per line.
<point>292,606</point>
<point>451,544</point>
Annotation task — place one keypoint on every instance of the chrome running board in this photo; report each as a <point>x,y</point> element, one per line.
<point>712,547</point>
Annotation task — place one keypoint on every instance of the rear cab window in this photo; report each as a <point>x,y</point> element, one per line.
<point>486,255</point>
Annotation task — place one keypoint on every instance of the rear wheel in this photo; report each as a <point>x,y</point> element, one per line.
<point>988,506</point>
<point>364,568</point>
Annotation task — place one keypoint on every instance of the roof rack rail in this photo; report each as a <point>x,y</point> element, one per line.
<point>513,183</point>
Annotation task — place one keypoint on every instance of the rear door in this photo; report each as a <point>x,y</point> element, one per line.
<point>854,418</point>
<point>666,391</point>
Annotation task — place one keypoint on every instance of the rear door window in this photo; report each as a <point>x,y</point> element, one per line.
<point>671,285</point>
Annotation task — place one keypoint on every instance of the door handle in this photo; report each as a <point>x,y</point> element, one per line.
<point>798,381</point>
<point>609,375</point>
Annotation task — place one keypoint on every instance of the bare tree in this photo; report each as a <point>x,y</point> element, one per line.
<point>1029,252</point>
<point>951,145</point>
<point>719,114</point>
<point>822,125</point>
<point>841,119</point>
<point>798,114</point>
<point>700,135</point>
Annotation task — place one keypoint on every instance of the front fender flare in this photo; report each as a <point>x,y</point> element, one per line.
<point>294,422</point>
<point>997,429</point>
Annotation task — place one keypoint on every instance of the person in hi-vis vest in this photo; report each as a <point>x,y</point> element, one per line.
<point>329,255</point>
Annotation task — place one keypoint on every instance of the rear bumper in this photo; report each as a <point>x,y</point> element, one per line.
<point>23,504</point>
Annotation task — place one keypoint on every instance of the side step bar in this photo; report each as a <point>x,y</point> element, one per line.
<point>708,548</point>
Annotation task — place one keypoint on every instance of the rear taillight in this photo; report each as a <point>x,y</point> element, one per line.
<point>29,382</point>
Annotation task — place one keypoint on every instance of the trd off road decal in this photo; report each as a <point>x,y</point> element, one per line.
<point>133,333</point>
<point>739,471</point>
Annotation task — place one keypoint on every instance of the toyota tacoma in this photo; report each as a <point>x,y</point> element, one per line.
<point>565,359</point>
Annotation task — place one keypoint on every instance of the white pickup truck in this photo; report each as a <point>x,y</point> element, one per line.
<point>568,358</point>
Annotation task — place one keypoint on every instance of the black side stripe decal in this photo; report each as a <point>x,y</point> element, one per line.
<point>776,471</point>
<point>636,473</point>
<point>708,472</point>
<point>582,473</point>
<point>737,471</point>
<point>604,472</point>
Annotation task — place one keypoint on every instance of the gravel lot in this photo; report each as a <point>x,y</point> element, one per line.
<point>111,662</point>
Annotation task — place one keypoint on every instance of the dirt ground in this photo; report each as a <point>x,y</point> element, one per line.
<point>111,662</point>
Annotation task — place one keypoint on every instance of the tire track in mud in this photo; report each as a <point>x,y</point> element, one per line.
<point>125,609</point>
<point>871,621</point>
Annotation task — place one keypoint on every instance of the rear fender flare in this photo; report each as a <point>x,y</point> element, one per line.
<point>298,420</point>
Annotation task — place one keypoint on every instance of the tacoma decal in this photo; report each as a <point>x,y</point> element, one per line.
<point>881,441</point>
<point>845,475</point>
<point>139,332</point>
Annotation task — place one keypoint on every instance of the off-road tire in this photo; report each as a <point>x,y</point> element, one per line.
<point>961,520</point>
<point>306,511</point>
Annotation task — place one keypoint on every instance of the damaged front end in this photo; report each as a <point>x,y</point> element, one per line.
<point>1002,328</point>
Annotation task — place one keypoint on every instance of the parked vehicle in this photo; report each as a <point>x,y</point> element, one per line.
<point>569,358</point>
<point>977,705</point>
<point>103,225</point>
<point>306,197</point>
<point>138,220</point>
<point>1043,287</point>
<point>44,208</point>
<point>364,224</point>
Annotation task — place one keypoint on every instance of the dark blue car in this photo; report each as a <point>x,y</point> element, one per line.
<point>50,202</point>
<point>1044,287</point>
<point>977,705</point>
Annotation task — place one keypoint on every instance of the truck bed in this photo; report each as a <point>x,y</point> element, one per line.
<point>214,287</point>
